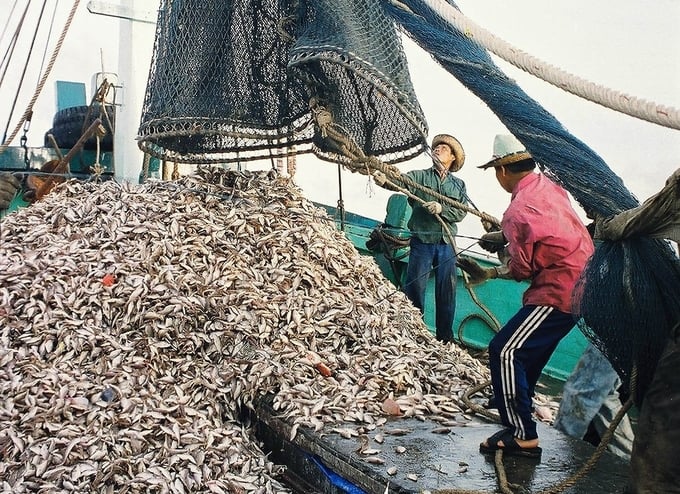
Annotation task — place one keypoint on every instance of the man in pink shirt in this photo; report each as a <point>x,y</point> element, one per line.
<point>548,244</point>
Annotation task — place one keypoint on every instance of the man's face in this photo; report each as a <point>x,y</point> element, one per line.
<point>443,154</point>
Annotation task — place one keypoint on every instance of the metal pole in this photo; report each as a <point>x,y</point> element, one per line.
<point>341,204</point>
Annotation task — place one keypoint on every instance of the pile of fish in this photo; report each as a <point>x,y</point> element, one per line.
<point>137,322</point>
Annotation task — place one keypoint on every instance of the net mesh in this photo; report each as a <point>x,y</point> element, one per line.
<point>628,296</point>
<point>247,79</point>
<point>241,80</point>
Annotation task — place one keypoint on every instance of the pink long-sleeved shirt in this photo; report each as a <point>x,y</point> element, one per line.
<point>547,241</point>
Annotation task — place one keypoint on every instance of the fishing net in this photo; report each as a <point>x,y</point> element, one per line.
<point>250,79</point>
<point>628,299</point>
<point>628,293</point>
<point>244,79</point>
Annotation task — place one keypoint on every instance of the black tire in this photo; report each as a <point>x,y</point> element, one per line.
<point>70,123</point>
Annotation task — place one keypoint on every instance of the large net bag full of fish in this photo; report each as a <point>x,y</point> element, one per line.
<point>246,79</point>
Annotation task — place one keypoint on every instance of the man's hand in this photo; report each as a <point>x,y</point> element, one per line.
<point>489,226</point>
<point>476,273</point>
<point>433,207</point>
<point>9,185</point>
<point>493,242</point>
<point>504,256</point>
<point>379,178</point>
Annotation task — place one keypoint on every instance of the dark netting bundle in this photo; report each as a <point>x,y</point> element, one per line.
<point>629,298</point>
<point>235,80</point>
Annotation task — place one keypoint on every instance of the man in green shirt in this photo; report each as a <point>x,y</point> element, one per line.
<point>430,246</point>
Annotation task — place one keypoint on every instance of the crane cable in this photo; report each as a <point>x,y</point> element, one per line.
<point>41,84</point>
<point>12,44</point>
<point>23,72</point>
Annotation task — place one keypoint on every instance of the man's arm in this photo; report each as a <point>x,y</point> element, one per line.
<point>450,213</point>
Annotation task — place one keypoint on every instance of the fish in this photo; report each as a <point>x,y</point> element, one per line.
<point>223,287</point>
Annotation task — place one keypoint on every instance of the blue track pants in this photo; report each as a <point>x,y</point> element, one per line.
<point>517,356</point>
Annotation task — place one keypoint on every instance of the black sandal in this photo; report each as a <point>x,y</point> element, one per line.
<point>510,446</point>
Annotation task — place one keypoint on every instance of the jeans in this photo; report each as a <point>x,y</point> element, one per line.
<point>422,258</point>
<point>590,395</point>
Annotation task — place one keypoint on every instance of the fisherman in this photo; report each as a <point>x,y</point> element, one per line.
<point>9,186</point>
<point>430,244</point>
<point>548,244</point>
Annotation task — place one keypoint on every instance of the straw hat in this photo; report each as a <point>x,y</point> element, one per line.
<point>456,149</point>
<point>506,151</point>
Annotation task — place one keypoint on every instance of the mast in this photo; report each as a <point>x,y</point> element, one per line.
<point>135,46</point>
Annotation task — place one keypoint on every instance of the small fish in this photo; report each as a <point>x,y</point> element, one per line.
<point>375,460</point>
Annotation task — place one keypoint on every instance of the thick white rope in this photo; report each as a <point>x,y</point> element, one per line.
<point>615,100</point>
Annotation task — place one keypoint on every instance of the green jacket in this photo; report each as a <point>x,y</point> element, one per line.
<point>424,225</point>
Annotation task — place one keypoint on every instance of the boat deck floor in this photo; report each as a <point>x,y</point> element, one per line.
<point>436,459</point>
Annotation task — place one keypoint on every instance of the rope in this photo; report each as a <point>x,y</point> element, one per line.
<point>7,57</point>
<point>28,59</point>
<point>566,159</point>
<point>476,408</point>
<point>29,108</point>
<point>493,323</point>
<point>49,36</point>
<point>581,472</point>
<point>609,98</point>
<point>363,164</point>
<point>9,17</point>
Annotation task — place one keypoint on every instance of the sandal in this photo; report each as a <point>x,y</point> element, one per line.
<point>510,446</point>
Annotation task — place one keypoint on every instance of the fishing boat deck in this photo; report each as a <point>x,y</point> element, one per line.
<point>442,458</point>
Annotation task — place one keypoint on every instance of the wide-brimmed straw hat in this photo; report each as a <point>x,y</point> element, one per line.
<point>506,151</point>
<point>456,149</point>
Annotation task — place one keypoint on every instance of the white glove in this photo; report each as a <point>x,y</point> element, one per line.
<point>433,207</point>
<point>379,178</point>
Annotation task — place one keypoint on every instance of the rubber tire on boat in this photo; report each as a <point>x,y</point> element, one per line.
<point>68,125</point>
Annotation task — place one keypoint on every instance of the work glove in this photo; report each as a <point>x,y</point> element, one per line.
<point>9,185</point>
<point>493,241</point>
<point>489,226</point>
<point>433,207</point>
<point>476,273</point>
<point>379,178</point>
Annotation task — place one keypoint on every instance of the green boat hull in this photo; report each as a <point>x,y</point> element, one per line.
<point>480,310</point>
